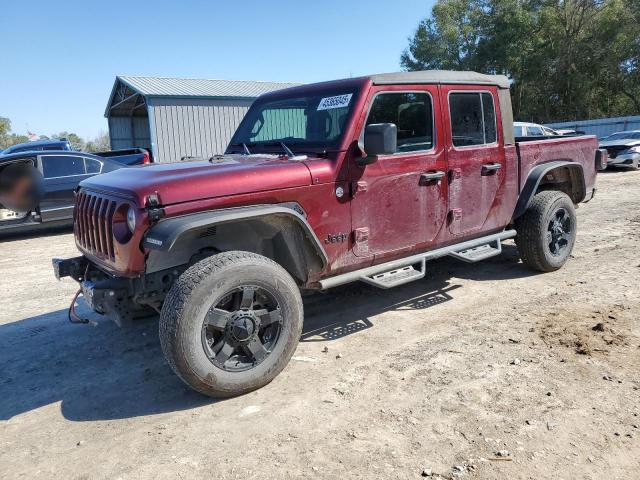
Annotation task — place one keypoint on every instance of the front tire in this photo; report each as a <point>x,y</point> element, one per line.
<point>230,323</point>
<point>546,232</point>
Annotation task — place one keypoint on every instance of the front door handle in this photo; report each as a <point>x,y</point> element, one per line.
<point>431,177</point>
<point>490,168</point>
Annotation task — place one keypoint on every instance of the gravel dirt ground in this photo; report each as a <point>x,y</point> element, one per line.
<point>479,371</point>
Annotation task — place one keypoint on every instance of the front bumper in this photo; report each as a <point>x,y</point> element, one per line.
<point>70,267</point>
<point>103,295</point>
<point>121,299</point>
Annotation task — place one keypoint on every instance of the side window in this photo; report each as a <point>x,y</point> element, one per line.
<point>473,119</point>
<point>61,166</point>
<point>411,112</point>
<point>534,131</point>
<point>518,131</point>
<point>92,166</point>
<point>489,115</point>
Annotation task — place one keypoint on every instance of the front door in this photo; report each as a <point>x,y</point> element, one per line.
<point>476,159</point>
<point>400,201</point>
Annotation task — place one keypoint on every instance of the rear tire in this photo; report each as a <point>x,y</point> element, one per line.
<point>230,323</point>
<point>546,232</point>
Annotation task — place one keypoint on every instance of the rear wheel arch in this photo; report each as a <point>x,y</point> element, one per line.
<point>280,233</point>
<point>560,175</point>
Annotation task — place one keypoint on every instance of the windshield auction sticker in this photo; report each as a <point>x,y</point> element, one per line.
<point>338,101</point>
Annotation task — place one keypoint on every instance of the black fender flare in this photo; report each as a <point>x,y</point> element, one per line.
<point>537,174</point>
<point>163,239</point>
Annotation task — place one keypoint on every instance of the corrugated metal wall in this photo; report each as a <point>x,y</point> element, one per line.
<point>601,127</point>
<point>193,127</point>
<point>129,132</point>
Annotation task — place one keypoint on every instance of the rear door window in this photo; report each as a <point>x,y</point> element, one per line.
<point>92,166</point>
<point>473,118</point>
<point>55,166</point>
<point>411,112</point>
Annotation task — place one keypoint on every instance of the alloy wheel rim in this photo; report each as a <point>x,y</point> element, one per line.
<point>559,232</point>
<point>241,329</point>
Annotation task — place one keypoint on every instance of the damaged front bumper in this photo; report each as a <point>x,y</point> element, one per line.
<point>121,299</point>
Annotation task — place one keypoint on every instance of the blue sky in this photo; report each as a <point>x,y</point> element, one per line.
<point>59,59</point>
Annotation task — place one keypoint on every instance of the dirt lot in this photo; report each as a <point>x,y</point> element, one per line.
<point>444,374</point>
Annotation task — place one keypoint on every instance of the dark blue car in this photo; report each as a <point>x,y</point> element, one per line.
<point>38,146</point>
<point>61,172</point>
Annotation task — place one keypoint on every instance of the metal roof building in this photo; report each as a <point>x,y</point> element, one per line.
<point>179,117</point>
<point>601,127</point>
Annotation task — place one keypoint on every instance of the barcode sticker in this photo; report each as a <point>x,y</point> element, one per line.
<point>338,101</point>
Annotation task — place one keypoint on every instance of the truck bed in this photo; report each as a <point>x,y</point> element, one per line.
<point>533,151</point>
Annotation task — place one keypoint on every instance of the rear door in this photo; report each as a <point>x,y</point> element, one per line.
<point>396,206</point>
<point>61,173</point>
<point>475,155</point>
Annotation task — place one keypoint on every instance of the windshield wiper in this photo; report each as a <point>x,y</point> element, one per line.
<point>245,149</point>
<point>287,150</point>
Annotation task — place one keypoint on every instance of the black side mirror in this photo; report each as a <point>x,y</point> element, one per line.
<point>379,139</point>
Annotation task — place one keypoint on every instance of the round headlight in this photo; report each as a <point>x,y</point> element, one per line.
<point>131,219</point>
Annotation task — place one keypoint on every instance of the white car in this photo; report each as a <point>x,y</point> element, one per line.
<point>525,129</point>
<point>623,149</point>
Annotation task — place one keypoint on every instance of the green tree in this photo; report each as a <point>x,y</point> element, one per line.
<point>99,144</point>
<point>77,142</point>
<point>567,59</point>
<point>5,129</point>
<point>7,138</point>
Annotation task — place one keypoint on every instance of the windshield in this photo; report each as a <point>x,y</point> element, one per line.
<point>623,135</point>
<point>315,120</point>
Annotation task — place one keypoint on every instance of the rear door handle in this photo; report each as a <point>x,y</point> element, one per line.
<point>490,167</point>
<point>431,177</point>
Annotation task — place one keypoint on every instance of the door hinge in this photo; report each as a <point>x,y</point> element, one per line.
<point>358,187</point>
<point>454,174</point>
<point>455,215</point>
<point>361,241</point>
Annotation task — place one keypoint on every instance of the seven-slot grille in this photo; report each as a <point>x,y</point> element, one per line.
<point>94,224</point>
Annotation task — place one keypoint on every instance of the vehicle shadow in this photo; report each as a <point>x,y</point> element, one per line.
<point>104,372</point>
<point>97,373</point>
<point>353,305</point>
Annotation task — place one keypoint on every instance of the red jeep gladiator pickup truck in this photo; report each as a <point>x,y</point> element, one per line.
<point>360,179</point>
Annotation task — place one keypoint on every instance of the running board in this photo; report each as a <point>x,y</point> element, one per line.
<point>397,275</point>
<point>477,254</point>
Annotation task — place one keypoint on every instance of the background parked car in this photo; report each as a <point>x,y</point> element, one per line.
<point>132,156</point>
<point>39,145</point>
<point>623,149</point>
<point>525,129</point>
<point>60,173</point>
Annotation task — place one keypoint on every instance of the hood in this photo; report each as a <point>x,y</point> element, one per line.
<point>197,180</point>
<point>621,142</point>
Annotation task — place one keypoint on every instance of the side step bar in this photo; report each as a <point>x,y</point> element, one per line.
<point>396,277</point>
<point>394,273</point>
<point>476,254</point>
